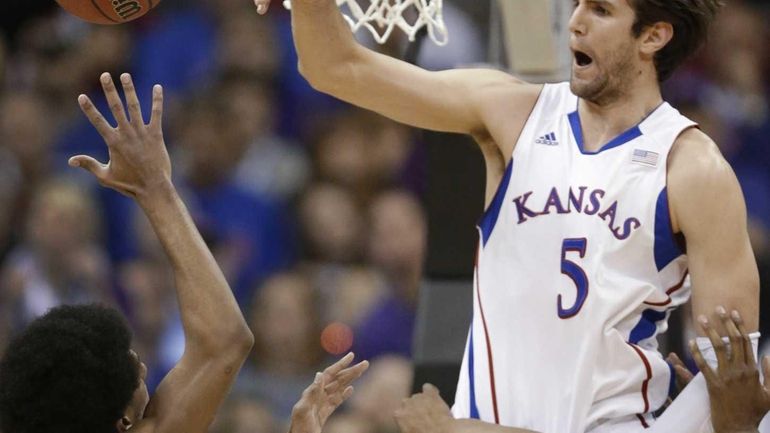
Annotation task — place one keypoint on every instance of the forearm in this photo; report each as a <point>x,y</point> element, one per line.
<point>211,317</point>
<point>323,41</point>
<point>476,426</point>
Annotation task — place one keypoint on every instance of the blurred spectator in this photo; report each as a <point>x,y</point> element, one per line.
<point>251,234</point>
<point>361,151</point>
<point>10,197</point>
<point>247,43</point>
<point>286,325</point>
<point>397,248</point>
<point>175,47</point>
<point>350,293</point>
<point>25,130</point>
<point>332,225</point>
<point>58,259</point>
<point>271,166</point>
<point>380,391</point>
<point>242,415</point>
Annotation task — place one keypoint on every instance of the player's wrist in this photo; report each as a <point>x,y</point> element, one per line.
<point>155,193</point>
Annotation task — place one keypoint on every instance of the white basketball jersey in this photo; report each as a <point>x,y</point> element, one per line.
<point>577,272</point>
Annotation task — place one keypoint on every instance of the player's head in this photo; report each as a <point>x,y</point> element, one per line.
<point>615,41</point>
<point>72,371</point>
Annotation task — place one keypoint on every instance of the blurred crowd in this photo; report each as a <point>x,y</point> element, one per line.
<point>312,207</point>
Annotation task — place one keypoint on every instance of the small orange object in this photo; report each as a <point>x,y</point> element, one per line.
<point>337,338</point>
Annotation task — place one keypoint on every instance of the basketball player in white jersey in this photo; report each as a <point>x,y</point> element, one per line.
<point>604,206</point>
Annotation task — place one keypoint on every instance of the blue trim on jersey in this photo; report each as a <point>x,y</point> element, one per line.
<point>474,410</point>
<point>647,326</point>
<point>489,219</point>
<point>666,248</point>
<point>577,131</point>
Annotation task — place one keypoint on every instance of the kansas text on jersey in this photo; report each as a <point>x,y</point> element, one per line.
<point>577,272</point>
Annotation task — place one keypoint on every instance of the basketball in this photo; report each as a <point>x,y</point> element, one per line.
<point>108,11</point>
<point>337,338</point>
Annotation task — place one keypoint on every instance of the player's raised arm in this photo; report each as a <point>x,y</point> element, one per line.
<point>426,412</point>
<point>461,101</point>
<point>217,339</point>
<point>707,206</point>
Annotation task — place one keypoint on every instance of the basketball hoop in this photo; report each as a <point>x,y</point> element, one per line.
<point>382,16</point>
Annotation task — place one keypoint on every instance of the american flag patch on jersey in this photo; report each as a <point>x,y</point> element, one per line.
<point>645,157</point>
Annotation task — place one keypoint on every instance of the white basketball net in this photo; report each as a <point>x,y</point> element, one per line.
<point>382,16</point>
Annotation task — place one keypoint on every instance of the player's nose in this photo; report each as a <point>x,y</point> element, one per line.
<point>577,25</point>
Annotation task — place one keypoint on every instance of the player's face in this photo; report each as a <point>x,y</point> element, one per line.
<point>603,47</point>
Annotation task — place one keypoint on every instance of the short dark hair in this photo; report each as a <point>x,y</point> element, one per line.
<point>69,371</point>
<point>691,20</point>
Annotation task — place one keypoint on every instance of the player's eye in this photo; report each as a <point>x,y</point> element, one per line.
<point>601,10</point>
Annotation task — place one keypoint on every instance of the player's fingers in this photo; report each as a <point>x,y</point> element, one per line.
<point>134,109</point>
<point>737,351</point>
<point>347,393</point>
<point>314,391</point>
<point>262,6</point>
<point>748,347</point>
<point>94,116</point>
<point>338,366</point>
<point>429,389</point>
<point>703,366</point>
<point>766,372</point>
<point>674,359</point>
<point>347,376</point>
<point>113,100</point>
<point>89,164</point>
<point>683,375</point>
<point>320,380</point>
<point>716,341</point>
<point>156,119</point>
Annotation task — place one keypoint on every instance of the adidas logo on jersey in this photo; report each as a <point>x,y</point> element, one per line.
<point>548,140</point>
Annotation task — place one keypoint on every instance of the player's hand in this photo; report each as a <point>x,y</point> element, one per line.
<point>139,163</point>
<point>738,400</point>
<point>425,412</point>
<point>262,6</point>
<point>329,390</point>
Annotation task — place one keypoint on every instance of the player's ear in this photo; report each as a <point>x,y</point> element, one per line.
<point>655,37</point>
<point>124,424</point>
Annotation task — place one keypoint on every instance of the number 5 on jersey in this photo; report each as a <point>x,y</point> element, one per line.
<point>575,273</point>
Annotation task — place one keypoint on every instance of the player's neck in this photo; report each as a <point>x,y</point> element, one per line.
<point>601,122</point>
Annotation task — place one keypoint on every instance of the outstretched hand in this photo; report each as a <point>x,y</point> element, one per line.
<point>262,6</point>
<point>327,392</point>
<point>139,162</point>
<point>424,412</point>
<point>739,401</point>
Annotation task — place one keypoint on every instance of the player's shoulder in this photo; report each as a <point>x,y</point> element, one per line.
<point>696,157</point>
<point>697,170</point>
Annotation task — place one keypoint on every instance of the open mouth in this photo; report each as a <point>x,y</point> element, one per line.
<point>583,59</point>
